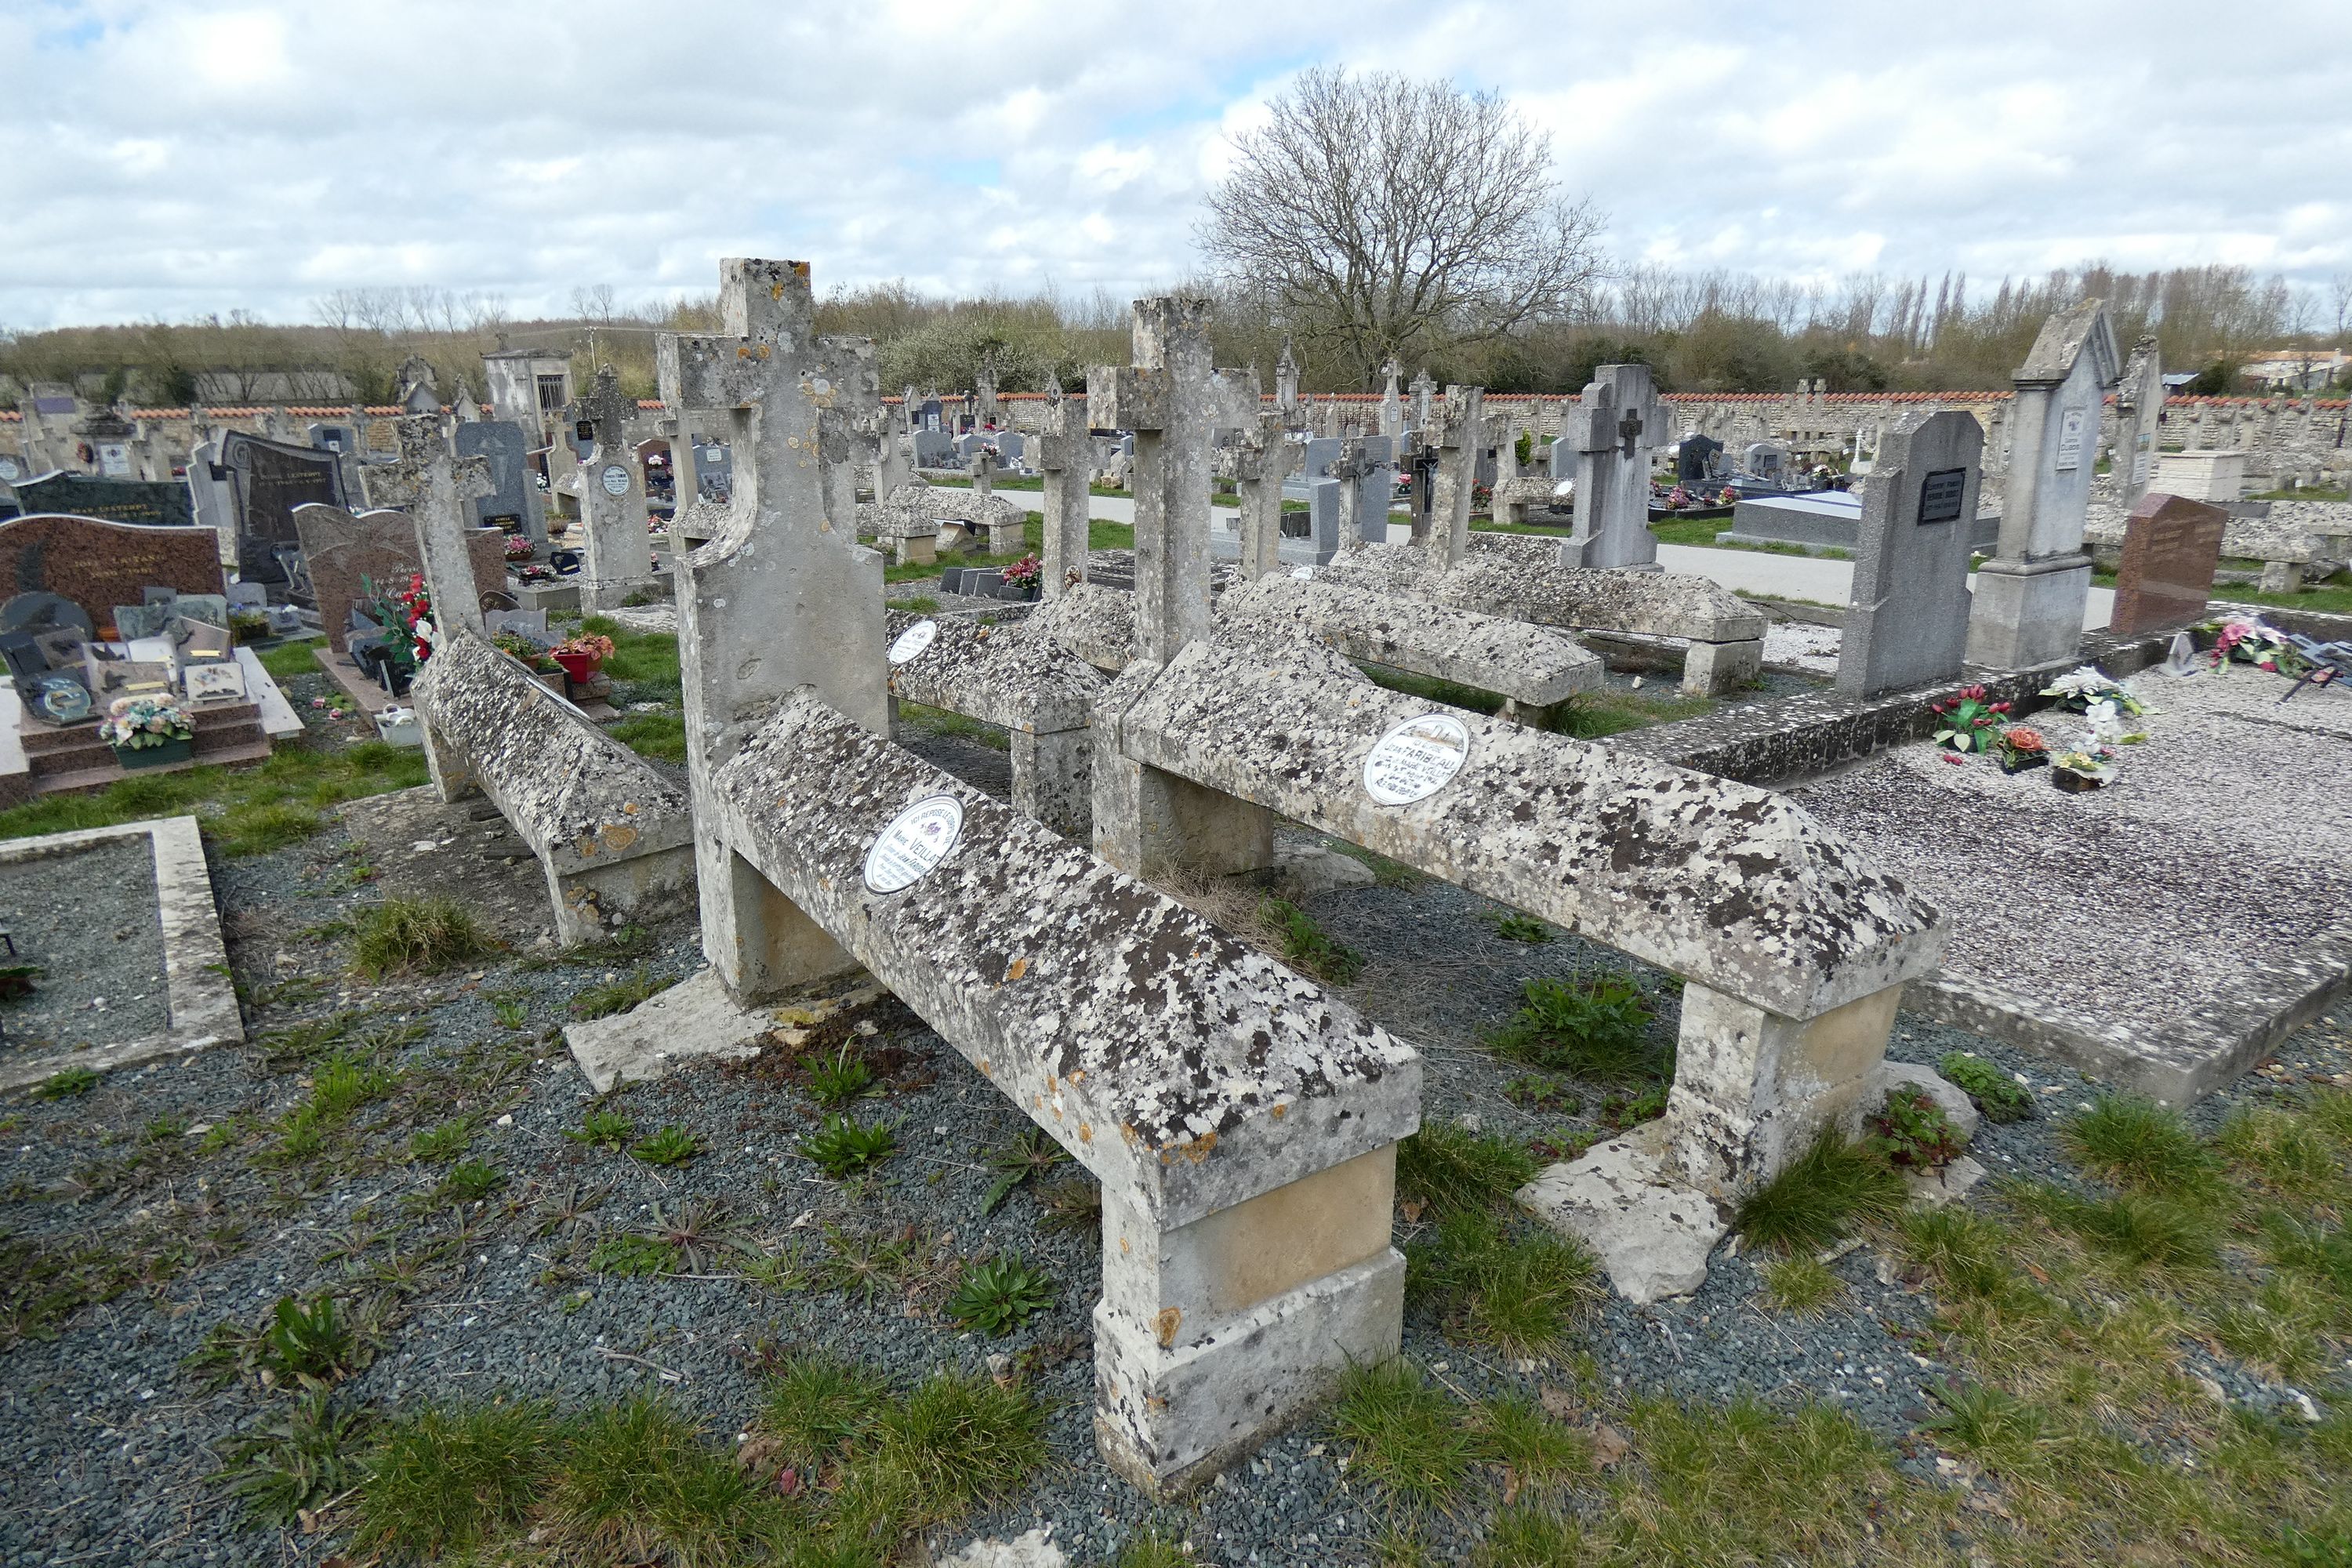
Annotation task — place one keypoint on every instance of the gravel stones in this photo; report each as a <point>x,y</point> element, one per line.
<point>89,918</point>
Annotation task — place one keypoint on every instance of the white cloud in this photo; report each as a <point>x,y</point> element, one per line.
<point>172,157</point>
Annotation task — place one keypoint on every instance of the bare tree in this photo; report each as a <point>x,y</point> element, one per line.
<point>594,304</point>
<point>1387,215</point>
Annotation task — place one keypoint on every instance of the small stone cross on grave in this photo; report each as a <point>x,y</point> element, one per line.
<point>1391,408</point>
<point>1267,457</point>
<point>1170,399</point>
<point>765,372</point>
<point>1286,384</point>
<point>1423,390</point>
<point>1065,456</point>
<point>1460,436</point>
<point>438,489</point>
<point>612,498</point>
<point>1612,432</point>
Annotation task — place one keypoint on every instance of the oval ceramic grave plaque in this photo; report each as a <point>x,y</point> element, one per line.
<point>617,479</point>
<point>916,841</point>
<point>913,640</point>
<point>1416,759</point>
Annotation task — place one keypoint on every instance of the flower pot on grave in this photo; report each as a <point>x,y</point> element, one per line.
<point>398,727</point>
<point>157,756</point>
<point>1016,592</point>
<point>2018,762</point>
<point>2075,782</point>
<point>554,680</point>
<point>578,665</point>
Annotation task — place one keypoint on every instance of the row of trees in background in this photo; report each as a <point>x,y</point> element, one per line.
<point>1373,217</point>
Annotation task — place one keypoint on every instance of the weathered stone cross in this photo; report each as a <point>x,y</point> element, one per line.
<point>1168,398</point>
<point>1611,431</point>
<point>1460,441</point>
<point>1267,457</point>
<point>763,370</point>
<point>1065,456</point>
<point>438,489</point>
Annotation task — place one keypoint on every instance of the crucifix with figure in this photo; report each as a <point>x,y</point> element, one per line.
<point>1611,431</point>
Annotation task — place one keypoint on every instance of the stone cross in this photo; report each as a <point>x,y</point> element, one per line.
<point>1168,398</point>
<point>1267,457</point>
<point>1909,622</point>
<point>1611,432</point>
<point>1423,389</point>
<point>1367,484</point>
<point>847,420</point>
<point>1391,409</point>
<point>1460,440</point>
<point>438,489</point>
<point>984,387</point>
<point>1065,456</point>
<point>1286,384</point>
<point>983,468</point>
<point>780,547</point>
<point>611,499</point>
<point>2028,608</point>
<point>2139,412</point>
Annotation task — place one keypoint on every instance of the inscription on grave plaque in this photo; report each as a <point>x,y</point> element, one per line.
<point>1941,495</point>
<point>913,640</point>
<point>615,480</point>
<point>1416,759</point>
<point>2070,438</point>
<point>916,841</point>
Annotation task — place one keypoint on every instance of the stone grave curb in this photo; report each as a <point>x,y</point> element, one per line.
<point>201,998</point>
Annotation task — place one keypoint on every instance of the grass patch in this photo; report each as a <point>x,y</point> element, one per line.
<point>1803,1286</point>
<point>1306,946</point>
<point>1386,873</point>
<point>449,1478</point>
<point>244,811</point>
<point>660,736</point>
<point>1404,1434</point>
<point>641,1482</point>
<point>286,661</point>
<point>1450,1170</point>
<point>618,995</point>
<point>642,659</point>
<point>2136,1143</point>
<point>673,1145</point>
<point>66,1083</point>
<point>1515,1287</point>
<point>405,935</point>
<point>919,605</point>
<point>1596,1028</point>
<point>842,1147</point>
<point>1830,1188</point>
<point>939,721</point>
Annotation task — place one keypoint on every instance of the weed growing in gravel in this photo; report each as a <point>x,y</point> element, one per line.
<point>838,1082</point>
<point>66,1083</point>
<point>2134,1228</point>
<point>618,995</point>
<point>607,1129</point>
<point>1075,1203</point>
<point>436,1145</point>
<point>673,1145</point>
<point>1963,1252</point>
<point>865,1263</point>
<point>510,1008</point>
<point>2001,1097</point>
<point>842,1147</point>
<point>2282,1150</point>
<point>639,1483</point>
<point>344,1083</point>
<point>2136,1143</point>
<point>569,1208</point>
<point>293,1460</point>
<point>468,1181</point>
<point>633,1256</point>
<point>1308,947</point>
<point>1543,1094</point>
<point>1151,1550</point>
<point>1449,1169</point>
<point>449,1478</point>
<point>299,1045</point>
<point>1593,1029</point>
<point>1521,928</point>
<point>1001,1294</point>
<point>1032,1152</point>
<point>698,1232</point>
<point>1831,1186</point>
<point>1800,1286</point>
<point>1498,1282</point>
<point>311,1344</point>
<point>1911,1132</point>
<point>406,935</point>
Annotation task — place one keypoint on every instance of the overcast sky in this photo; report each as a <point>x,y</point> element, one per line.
<point>177,158</point>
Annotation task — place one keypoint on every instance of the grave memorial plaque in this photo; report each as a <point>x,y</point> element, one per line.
<point>1416,759</point>
<point>913,845</point>
<point>96,564</point>
<point>269,480</point>
<point>2171,548</point>
<point>153,504</point>
<point>1941,494</point>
